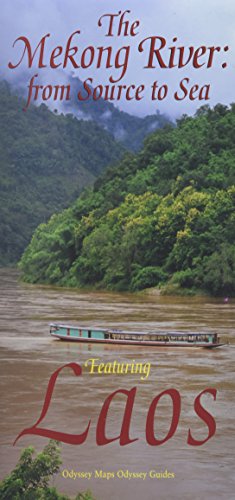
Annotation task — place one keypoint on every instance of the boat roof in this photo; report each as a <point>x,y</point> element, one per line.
<point>131,332</point>
<point>79,327</point>
<point>169,333</point>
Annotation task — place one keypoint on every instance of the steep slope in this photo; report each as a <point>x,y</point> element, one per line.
<point>165,216</point>
<point>46,160</point>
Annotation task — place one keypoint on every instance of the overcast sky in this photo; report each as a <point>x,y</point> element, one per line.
<point>193,22</point>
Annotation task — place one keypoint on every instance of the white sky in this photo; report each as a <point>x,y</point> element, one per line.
<point>193,22</point>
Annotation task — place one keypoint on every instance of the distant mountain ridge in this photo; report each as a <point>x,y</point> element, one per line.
<point>128,129</point>
<point>45,161</point>
<point>47,157</point>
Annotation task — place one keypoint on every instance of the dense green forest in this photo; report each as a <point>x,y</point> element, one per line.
<point>164,217</point>
<point>46,159</point>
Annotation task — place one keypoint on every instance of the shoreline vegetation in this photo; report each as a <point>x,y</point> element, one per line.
<point>168,289</point>
<point>161,219</point>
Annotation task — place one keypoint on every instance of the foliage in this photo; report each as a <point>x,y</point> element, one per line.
<point>146,277</point>
<point>31,476</point>
<point>163,217</point>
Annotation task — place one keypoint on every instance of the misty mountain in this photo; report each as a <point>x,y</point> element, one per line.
<point>128,129</point>
<point>46,160</point>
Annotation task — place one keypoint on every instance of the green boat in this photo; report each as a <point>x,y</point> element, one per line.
<point>156,339</point>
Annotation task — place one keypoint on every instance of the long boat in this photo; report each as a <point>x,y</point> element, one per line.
<point>159,339</point>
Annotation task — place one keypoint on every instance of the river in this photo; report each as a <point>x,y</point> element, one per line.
<point>29,356</point>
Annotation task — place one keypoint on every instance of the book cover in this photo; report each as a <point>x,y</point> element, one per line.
<point>117,216</point>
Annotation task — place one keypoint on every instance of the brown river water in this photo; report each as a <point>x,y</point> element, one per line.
<point>29,356</point>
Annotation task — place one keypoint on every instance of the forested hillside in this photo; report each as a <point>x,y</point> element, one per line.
<point>45,161</point>
<point>165,217</point>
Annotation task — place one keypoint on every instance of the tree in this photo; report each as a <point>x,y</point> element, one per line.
<point>31,476</point>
